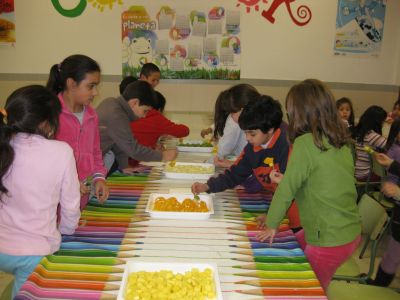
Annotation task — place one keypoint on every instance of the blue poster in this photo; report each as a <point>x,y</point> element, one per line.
<point>359,27</point>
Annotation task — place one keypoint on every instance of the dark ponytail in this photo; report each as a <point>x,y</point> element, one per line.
<point>6,151</point>
<point>33,110</point>
<point>75,67</point>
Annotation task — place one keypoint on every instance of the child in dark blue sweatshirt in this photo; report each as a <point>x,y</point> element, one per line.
<point>267,150</point>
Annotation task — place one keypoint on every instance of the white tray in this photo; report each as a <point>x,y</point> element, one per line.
<point>136,266</point>
<point>180,215</point>
<point>194,148</point>
<point>191,176</point>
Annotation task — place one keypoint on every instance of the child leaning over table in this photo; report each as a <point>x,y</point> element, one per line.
<point>267,149</point>
<point>320,175</point>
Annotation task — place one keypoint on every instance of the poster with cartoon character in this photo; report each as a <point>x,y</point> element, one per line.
<point>359,27</point>
<point>185,43</point>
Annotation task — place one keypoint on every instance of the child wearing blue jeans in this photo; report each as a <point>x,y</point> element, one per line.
<point>37,174</point>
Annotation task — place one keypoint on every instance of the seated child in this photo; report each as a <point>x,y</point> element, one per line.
<point>346,111</point>
<point>368,132</point>
<point>267,150</point>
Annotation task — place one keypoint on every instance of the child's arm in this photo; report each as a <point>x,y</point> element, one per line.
<point>234,176</point>
<point>100,172</point>
<point>230,139</point>
<point>168,127</point>
<point>391,190</point>
<point>297,171</point>
<point>120,133</point>
<point>205,132</point>
<point>69,197</point>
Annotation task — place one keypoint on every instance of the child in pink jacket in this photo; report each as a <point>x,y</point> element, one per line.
<point>75,81</point>
<point>36,175</point>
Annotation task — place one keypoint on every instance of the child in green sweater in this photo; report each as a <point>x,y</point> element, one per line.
<point>320,176</point>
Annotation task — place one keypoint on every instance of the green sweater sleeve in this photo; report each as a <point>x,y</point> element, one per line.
<point>297,171</point>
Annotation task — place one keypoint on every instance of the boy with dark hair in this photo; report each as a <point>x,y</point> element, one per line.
<point>115,115</point>
<point>267,150</point>
<point>150,73</point>
<point>148,130</point>
<point>124,83</point>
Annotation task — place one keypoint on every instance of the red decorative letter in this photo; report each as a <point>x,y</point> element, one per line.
<point>303,12</point>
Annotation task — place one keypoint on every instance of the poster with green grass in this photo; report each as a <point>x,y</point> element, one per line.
<point>185,43</point>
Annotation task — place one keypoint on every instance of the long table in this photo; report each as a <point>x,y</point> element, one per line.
<point>90,262</point>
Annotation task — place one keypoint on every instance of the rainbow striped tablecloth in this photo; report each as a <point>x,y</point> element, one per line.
<point>90,263</point>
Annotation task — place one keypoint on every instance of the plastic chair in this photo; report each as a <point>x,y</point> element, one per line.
<point>340,290</point>
<point>6,286</point>
<point>368,186</point>
<point>374,222</point>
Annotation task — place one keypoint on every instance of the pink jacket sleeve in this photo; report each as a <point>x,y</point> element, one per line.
<point>69,198</point>
<point>100,171</point>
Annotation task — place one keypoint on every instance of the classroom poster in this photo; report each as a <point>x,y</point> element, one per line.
<point>359,27</point>
<point>7,22</point>
<point>185,43</point>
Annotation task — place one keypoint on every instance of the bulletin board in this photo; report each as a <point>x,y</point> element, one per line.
<point>198,42</point>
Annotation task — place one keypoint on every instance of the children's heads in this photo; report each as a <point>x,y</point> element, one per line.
<point>396,110</point>
<point>237,98</point>
<point>124,83</point>
<point>140,97</point>
<point>394,134</point>
<point>220,114</point>
<point>150,73</point>
<point>260,118</point>
<point>78,75</point>
<point>160,102</point>
<point>32,109</point>
<point>371,119</point>
<point>311,109</point>
<point>345,110</point>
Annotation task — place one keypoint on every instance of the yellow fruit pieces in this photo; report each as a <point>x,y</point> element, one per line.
<point>172,204</point>
<point>166,285</point>
<point>269,161</point>
<point>191,169</point>
<point>368,149</point>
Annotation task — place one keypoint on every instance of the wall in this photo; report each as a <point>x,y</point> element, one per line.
<point>274,55</point>
<point>280,51</point>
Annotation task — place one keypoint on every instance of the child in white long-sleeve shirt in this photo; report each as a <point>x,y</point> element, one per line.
<point>36,174</point>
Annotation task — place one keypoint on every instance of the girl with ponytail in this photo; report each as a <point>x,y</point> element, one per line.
<point>75,82</point>
<point>37,174</point>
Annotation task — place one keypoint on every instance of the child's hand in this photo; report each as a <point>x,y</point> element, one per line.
<point>275,176</point>
<point>261,219</point>
<point>205,132</point>
<point>84,189</point>
<point>265,234</point>
<point>198,188</point>
<point>101,190</point>
<point>391,190</point>
<point>224,163</point>
<point>169,155</point>
<point>383,159</point>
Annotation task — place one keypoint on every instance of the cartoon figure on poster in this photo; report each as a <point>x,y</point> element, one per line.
<point>216,13</point>
<point>212,60</point>
<point>137,47</point>
<point>360,25</point>
<point>232,42</point>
